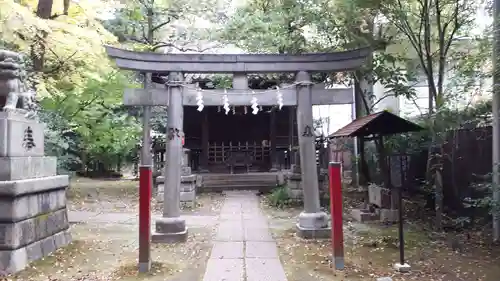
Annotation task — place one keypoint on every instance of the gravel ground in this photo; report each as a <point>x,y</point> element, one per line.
<point>372,249</point>
<point>122,196</point>
<point>108,250</point>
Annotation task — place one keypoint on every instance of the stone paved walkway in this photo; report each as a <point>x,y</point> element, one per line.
<point>244,249</point>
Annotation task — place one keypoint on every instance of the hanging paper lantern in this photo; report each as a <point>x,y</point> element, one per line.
<point>225,101</point>
<point>279,98</point>
<point>199,100</point>
<point>255,106</point>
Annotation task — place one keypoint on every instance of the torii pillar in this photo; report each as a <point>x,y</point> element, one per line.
<point>312,222</point>
<point>172,227</point>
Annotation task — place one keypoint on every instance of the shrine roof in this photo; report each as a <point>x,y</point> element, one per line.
<point>381,123</point>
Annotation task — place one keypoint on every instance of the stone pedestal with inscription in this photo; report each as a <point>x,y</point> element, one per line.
<point>33,215</point>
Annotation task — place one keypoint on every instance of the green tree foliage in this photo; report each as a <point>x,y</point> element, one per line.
<point>92,114</point>
<point>78,87</point>
<point>155,25</point>
<point>292,26</point>
<point>269,26</point>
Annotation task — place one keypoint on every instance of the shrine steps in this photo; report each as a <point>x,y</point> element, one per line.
<point>263,182</point>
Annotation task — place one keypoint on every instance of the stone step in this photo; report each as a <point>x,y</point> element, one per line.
<point>263,182</point>
<point>243,185</point>
<point>239,178</point>
<point>220,188</point>
<point>231,181</point>
<point>238,183</point>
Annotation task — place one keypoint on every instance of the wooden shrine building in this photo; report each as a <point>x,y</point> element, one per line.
<point>241,141</point>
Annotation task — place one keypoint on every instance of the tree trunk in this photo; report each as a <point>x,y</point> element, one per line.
<point>438,185</point>
<point>360,111</point>
<point>38,48</point>
<point>434,171</point>
<point>496,122</point>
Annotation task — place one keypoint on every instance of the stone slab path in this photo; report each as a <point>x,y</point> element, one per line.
<point>243,249</point>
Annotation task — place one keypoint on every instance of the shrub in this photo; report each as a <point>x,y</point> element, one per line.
<point>279,197</point>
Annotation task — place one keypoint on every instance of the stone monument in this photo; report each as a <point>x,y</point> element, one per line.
<point>160,188</point>
<point>188,182</point>
<point>33,215</point>
<point>188,185</point>
<point>294,185</point>
<point>380,209</point>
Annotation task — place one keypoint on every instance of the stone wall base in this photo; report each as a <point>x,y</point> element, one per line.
<point>12,261</point>
<point>34,220</point>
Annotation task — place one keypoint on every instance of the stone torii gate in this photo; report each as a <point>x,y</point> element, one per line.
<point>312,221</point>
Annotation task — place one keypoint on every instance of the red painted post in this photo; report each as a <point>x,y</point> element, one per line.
<point>335,175</point>
<point>145,185</point>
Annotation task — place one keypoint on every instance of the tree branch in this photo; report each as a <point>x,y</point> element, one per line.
<point>456,26</point>
<point>441,42</point>
<point>181,49</point>
<point>161,25</point>
<point>83,105</point>
<point>381,99</point>
<point>144,35</point>
<point>403,24</point>
<point>61,62</point>
<point>135,39</point>
<point>171,15</point>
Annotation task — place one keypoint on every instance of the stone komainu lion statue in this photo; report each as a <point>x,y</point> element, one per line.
<point>14,93</point>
